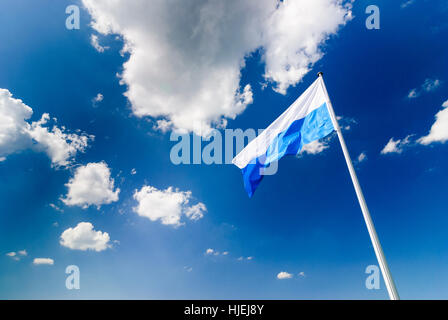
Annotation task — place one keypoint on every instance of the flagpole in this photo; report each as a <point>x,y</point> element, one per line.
<point>390,285</point>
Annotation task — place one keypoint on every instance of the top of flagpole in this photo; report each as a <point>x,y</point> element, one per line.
<point>320,74</point>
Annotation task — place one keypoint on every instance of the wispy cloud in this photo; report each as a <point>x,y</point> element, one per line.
<point>97,99</point>
<point>94,41</point>
<point>315,147</point>
<point>396,146</point>
<point>361,158</point>
<point>55,207</point>
<point>213,252</point>
<point>427,86</point>
<point>437,133</point>
<point>406,3</point>
<point>17,255</point>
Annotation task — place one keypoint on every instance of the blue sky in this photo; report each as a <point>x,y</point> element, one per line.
<point>303,219</point>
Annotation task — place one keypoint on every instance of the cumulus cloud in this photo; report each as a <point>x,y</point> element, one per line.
<point>427,86</point>
<point>168,205</point>
<point>83,237</point>
<point>43,261</point>
<point>13,125</point>
<point>56,143</point>
<point>439,130</point>
<point>16,133</point>
<point>186,56</point>
<point>396,146</point>
<point>91,185</point>
<point>284,275</point>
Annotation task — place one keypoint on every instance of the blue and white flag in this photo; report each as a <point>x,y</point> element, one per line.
<point>305,121</point>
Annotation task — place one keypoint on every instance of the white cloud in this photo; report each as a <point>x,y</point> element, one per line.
<point>284,275</point>
<point>243,258</point>
<point>301,274</point>
<point>437,133</point>
<point>196,212</point>
<point>439,130</point>
<point>315,147</point>
<point>430,85</point>
<point>293,34</point>
<point>346,123</point>
<point>396,146</point>
<point>58,145</point>
<point>213,252</point>
<point>55,207</point>
<point>362,157</point>
<point>13,126</point>
<point>413,94</point>
<point>43,261</point>
<point>427,86</point>
<point>168,205</point>
<point>97,99</point>
<point>16,255</point>
<point>95,43</point>
<point>186,55</point>
<point>91,185</point>
<point>84,237</point>
<point>17,134</point>
<point>406,4</point>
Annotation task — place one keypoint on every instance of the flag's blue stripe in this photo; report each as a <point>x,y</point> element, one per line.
<point>314,126</point>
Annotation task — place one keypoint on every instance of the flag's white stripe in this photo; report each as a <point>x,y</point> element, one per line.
<point>309,101</point>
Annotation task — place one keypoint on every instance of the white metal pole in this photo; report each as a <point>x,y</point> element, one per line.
<point>391,289</point>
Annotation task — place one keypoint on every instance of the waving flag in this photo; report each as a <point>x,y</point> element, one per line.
<point>310,118</point>
<point>305,121</point>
